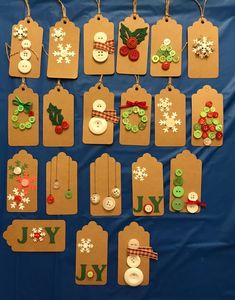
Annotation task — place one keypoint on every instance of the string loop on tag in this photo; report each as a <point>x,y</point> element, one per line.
<point>137,82</point>
<point>201,8</point>
<point>100,81</point>
<point>44,50</point>
<point>58,85</point>
<point>185,45</point>
<point>63,9</point>
<point>167,6</point>
<point>98,7</point>
<point>28,8</point>
<point>134,9</point>
<point>7,47</point>
<point>169,84</point>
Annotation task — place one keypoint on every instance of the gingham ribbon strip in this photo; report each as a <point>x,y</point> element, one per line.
<point>143,251</point>
<point>202,204</point>
<point>108,115</point>
<point>107,46</point>
<point>140,104</point>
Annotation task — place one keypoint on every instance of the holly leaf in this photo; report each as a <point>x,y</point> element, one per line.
<point>18,163</point>
<point>140,34</point>
<point>55,115</point>
<point>11,176</point>
<point>125,33</point>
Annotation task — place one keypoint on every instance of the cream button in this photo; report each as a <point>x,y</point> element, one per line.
<point>100,55</point>
<point>166,41</point>
<point>98,125</point>
<point>95,198</point>
<point>17,171</point>
<point>133,261</point>
<point>25,54</point>
<point>148,208</point>
<point>25,182</point>
<point>207,141</point>
<point>192,196</point>
<point>24,66</point>
<point>100,37</point>
<point>192,208</point>
<point>133,244</point>
<point>133,277</point>
<point>116,192</point>
<point>26,44</point>
<point>99,105</point>
<point>109,203</point>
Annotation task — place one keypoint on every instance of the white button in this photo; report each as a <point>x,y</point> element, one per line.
<point>133,261</point>
<point>192,196</point>
<point>25,182</point>
<point>25,54</point>
<point>133,276</point>
<point>192,208</point>
<point>109,203</point>
<point>99,105</point>
<point>167,41</point>
<point>24,66</point>
<point>26,44</point>
<point>100,55</point>
<point>133,244</point>
<point>170,122</point>
<point>116,192</point>
<point>98,125</point>
<point>95,198</point>
<point>148,208</point>
<point>207,141</point>
<point>100,37</point>
<point>17,171</point>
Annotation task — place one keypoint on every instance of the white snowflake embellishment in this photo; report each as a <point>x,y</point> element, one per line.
<point>18,199</point>
<point>20,32</point>
<point>58,34</point>
<point>64,53</point>
<point>140,173</point>
<point>37,234</point>
<point>170,122</point>
<point>164,104</point>
<point>203,47</point>
<point>85,246</point>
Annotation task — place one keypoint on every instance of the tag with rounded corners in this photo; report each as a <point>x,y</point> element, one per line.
<point>91,255</point>
<point>23,117</point>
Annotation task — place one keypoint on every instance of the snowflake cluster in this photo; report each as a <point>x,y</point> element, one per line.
<point>64,54</point>
<point>58,34</point>
<point>140,173</point>
<point>203,47</point>
<point>37,234</point>
<point>85,245</point>
<point>18,199</point>
<point>20,32</point>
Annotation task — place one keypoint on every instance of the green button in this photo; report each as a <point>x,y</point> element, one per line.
<point>163,47</point>
<point>130,111</point>
<point>142,126</point>
<point>197,134</point>
<point>90,274</point>
<point>169,48</point>
<point>144,119</point>
<point>169,58</point>
<point>212,109</point>
<point>209,121</point>
<point>16,125</point>
<point>206,109</point>
<point>176,59</point>
<point>203,114</point>
<point>68,195</point>
<point>178,191</point>
<point>216,121</point>
<point>172,53</point>
<point>177,204</point>
<point>212,135</point>
<point>197,126</point>
<point>22,126</point>
<point>20,108</point>
<point>14,118</point>
<point>155,59</point>
<point>178,181</point>
<point>136,109</point>
<point>219,127</point>
<point>159,53</point>
<point>141,112</point>
<point>28,125</point>
<point>134,128</point>
<point>162,58</point>
<point>125,121</point>
<point>128,127</point>
<point>125,114</point>
<point>178,172</point>
<point>16,112</point>
<point>32,120</point>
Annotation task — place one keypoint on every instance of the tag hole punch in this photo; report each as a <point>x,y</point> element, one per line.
<point>166,19</point>
<point>134,17</point>
<point>99,87</point>
<point>202,21</point>
<point>58,89</point>
<point>65,22</point>
<point>28,21</point>
<point>98,18</point>
<point>169,89</point>
<point>136,88</point>
<point>23,88</point>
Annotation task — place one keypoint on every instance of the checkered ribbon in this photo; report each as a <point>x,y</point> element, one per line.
<point>143,251</point>
<point>107,46</point>
<point>108,115</point>
<point>199,203</point>
<point>140,104</point>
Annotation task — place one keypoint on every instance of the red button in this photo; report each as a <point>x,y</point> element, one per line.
<point>166,65</point>
<point>18,199</point>
<point>210,114</point>
<point>50,199</point>
<point>209,103</point>
<point>219,135</point>
<point>134,55</point>
<point>58,129</point>
<point>204,135</point>
<point>215,114</point>
<point>31,113</point>
<point>212,128</point>
<point>205,127</point>
<point>65,125</point>
<point>124,50</point>
<point>132,42</point>
<point>202,121</point>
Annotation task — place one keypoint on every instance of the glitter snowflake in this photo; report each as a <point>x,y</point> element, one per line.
<point>203,47</point>
<point>58,34</point>
<point>140,173</point>
<point>164,104</point>
<point>18,199</point>
<point>20,32</point>
<point>64,53</point>
<point>170,122</point>
<point>85,246</point>
<point>37,234</point>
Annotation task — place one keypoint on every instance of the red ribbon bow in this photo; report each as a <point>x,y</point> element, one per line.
<point>199,203</point>
<point>108,115</point>
<point>143,251</point>
<point>107,46</point>
<point>140,104</point>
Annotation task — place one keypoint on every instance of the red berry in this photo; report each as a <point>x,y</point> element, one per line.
<point>134,55</point>
<point>202,121</point>
<point>204,135</point>
<point>65,125</point>
<point>210,114</point>
<point>124,50</point>
<point>50,199</point>
<point>166,66</point>
<point>219,135</point>
<point>205,128</point>
<point>212,128</point>
<point>31,113</point>
<point>18,199</point>
<point>132,42</point>
<point>209,103</point>
<point>215,114</point>
<point>58,129</point>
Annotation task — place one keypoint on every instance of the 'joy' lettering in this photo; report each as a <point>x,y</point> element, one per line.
<point>98,272</point>
<point>152,199</point>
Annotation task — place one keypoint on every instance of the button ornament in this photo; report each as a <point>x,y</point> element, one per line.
<point>57,119</point>
<point>102,47</point>
<point>178,191</point>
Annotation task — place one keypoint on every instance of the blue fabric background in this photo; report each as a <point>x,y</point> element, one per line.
<point>197,252</point>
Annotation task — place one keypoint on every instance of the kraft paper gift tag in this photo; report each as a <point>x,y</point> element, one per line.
<point>91,255</point>
<point>166,48</point>
<point>105,187</point>
<point>207,117</point>
<point>170,118</point>
<point>58,118</point>
<point>61,185</point>
<point>22,181</point>
<point>36,235</point>
<point>23,117</point>
<point>147,187</point>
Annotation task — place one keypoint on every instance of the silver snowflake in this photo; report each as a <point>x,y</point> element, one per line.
<point>85,245</point>
<point>58,34</point>
<point>37,234</point>
<point>64,53</point>
<point>203,47</point>
<point>140,173</point>
<point>164,104</point>
<point>20,32</point>
<point>18,199</point>
<point>170,122</point>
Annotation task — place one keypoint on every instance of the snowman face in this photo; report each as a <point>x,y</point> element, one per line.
<point>116,192</point>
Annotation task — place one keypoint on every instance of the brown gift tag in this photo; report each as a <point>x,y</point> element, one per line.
<point>36,235</point>
<point>18,100</point>
<point>91,255</point>
<point>141,137</point>
<point>166,32</point>
<point>61,185</point>
<point>129,62</point>
<point>98,46</point>
<point>63,54</point>
<point>62,100</point>
<point>147,187</point>
<point>26,49</point>
<point>105,187</point>
<point>22,180</point>
<point>199,102</point>
<point>191,168</point>
<point>91,132</point>
<point>207,67</point>
<point>170,118</point>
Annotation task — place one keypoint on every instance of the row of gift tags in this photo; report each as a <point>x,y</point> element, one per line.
<point>105,185</point>
<point>99,48</point>
<point>134,250</point>
<point>99,117</point>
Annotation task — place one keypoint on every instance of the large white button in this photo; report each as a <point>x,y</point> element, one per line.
<point>95,198</point>
<point>98,125</point>
<point>99,105</point>
<point>133,244</point>
<point>109,203</point>
<point>116,192</point>
<point>25,54</point>
<point>192,196</point>
<point>26,44</point>
<point>192,208</point>
<point>100,55</point>
<point>133,276</point>
<point>24,66</point>
<point>133,261</point>
<point>17,171</point>
<point>148,208</point>
<point>167,41</point>
<point>100,37</point>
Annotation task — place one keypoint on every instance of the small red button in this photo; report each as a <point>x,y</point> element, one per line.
<point>204,135</point>
<point>212,128</point>
<point>132,42</point>
<point>209,103</point>
<point>18,199</point>
<point>65,125</point>
<point>58,129</point>
<point>124,50</point>
<point>215,114</point>
<point>205,127</point>
<point>219,135</point>
<point>31,113</point>
<point>202,121</point>
<point>210,114</point>
<point>134,55</point>
<point>166,65</point>
<point>50,199</point>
